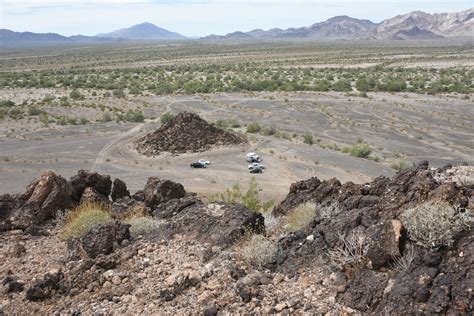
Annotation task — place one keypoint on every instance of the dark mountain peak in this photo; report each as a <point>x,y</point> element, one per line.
<point>143,31</point>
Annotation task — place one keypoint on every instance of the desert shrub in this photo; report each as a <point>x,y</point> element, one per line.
<point>166,118</point>
<point>403,263</point>
<point>435,224</point>
<point>7,104</point>
<point>75,94</point>
<point>134,116</point>
<point>2,114</point>
<point>44,118</point>
<point>254,128</point>
<point>250,199</point>
<point>82,218</point>
<point>106,117</point>
<point>361,150</point>
<point>400,166</point>
<point>142,225</point>
<point>351,252</point>
<point>34,111</point>
<point>118,93</point>
<point>299,217</point>
<point>258,250</point>
<point>16,113</point>
<point>308,139</point>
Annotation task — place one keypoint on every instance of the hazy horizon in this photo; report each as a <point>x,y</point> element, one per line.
<point>199,17</point>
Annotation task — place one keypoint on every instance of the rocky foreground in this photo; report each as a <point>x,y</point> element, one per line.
<point>187,132</point>
<point>359,252</point>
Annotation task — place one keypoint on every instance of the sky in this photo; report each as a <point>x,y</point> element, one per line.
<point>200,17</point>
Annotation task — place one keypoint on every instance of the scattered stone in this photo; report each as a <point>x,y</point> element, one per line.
<point>46,287</point>
<point>119,190</point>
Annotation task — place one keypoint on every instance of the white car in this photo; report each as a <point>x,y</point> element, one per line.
<point>204,162</point>
<point>253,157</point>
<point>256,165</point>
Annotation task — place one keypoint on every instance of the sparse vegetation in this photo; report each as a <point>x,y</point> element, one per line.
<point>82,218</point>
<point>351,252</point>
<point>258,250</point>
<point>166,118</point>
<point>249,199</point>
<point>254,128</point>
<point>300,217</point>
<point>435,224</point>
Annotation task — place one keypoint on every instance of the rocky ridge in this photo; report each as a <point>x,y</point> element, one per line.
<point>193,261</point>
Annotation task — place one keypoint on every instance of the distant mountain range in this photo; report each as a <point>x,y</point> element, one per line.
<point>412,26</point>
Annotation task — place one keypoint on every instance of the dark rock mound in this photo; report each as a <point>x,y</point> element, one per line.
<point>436,280</point>
<point>187,132</point>
<point>99,240</point>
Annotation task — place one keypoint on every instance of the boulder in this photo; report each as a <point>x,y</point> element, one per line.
<point>216,224</point>
<point>119,190</point>
<point>101,183</point>
<point>49,193</point>
<point>126,205</point>
<point>98,240</point>
<point>158,191</point>
<point>173,207</point>
<point>90,195</point>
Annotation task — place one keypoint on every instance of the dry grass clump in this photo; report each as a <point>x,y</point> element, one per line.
<point>435,224</point>
<point>142,225</point>
<point>352,251</point>
<point>299,217</point>
<point>84,217</point>
<point>404,262</point>
<point>258,250</point>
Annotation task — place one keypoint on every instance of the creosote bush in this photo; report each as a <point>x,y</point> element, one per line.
<point>250,199</point>
<point>435,224</point>
<point>82,218</point>
<point>166,118</point>
<point>258,250</point>
<point>254,128</point>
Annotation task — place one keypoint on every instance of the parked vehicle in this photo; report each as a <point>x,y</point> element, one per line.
<point>256,170</point>
<point>204,162</point>
<point>253,157</point>
<point>198,165</point>
<point>256,165</point>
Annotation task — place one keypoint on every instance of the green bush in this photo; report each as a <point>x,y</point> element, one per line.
<point>7,104</point>
<point>34,111</point>
<point>75,94</point>
<point>166,118</point>
<point>250,199</point>
<point>254,128</point>
<point>360,150</point>
<point>134,116</point>
<point>308,139</point>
